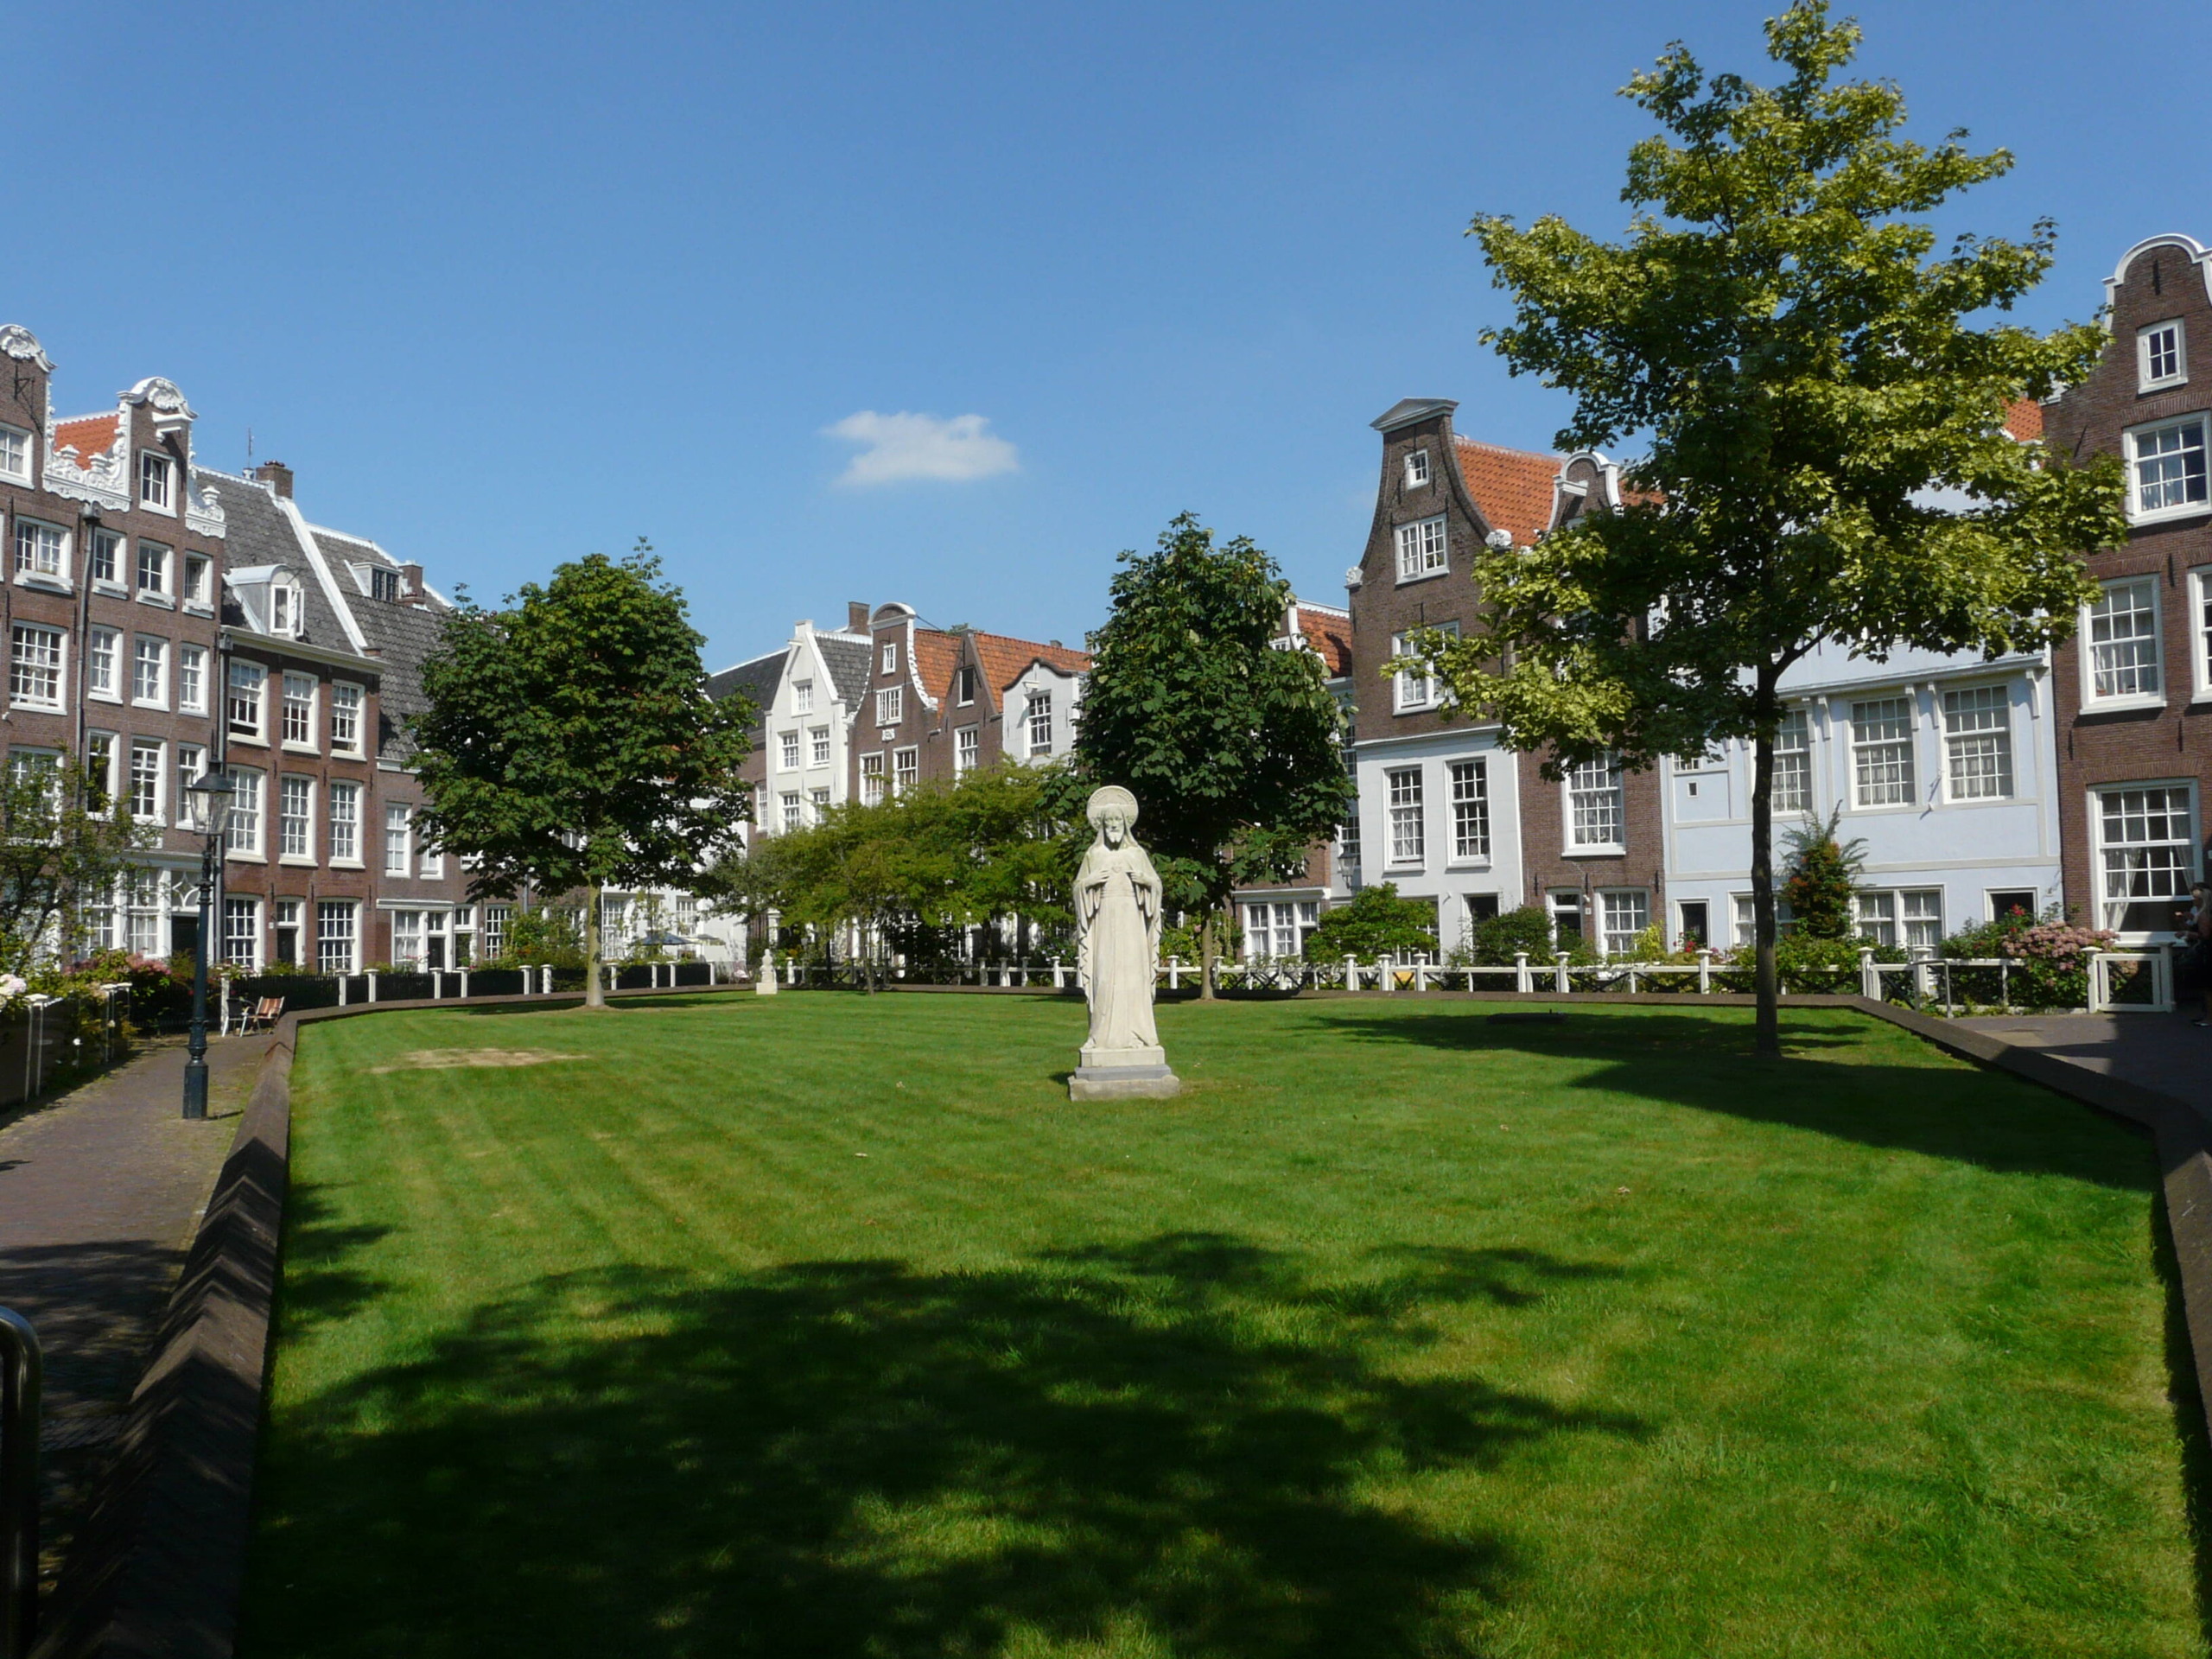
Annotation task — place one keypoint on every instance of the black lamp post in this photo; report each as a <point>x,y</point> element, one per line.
<point>209,798</point>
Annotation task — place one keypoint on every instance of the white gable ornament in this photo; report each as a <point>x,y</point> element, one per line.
<point>1117,915</point>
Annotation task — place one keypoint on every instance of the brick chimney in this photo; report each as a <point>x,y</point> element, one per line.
<point>856,616</point>
<point>412,575</point>
<point>277,476</point>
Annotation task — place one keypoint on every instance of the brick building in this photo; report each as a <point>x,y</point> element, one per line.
<point>2132,690</point>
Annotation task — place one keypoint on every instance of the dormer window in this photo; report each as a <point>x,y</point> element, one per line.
<point>156,481</point>
<point>2160,358</point>
<point>383,584</point>
<point>285,611</point>
<point>1416,468</point>
<point>891,659</point>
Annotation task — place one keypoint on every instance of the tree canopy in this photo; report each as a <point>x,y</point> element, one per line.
<point>1229,745</point>
<point>1822,404</point>
<point>64,843</point>
<point>569,741</point>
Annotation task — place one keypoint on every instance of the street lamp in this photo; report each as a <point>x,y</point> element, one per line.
<point>208,810</point>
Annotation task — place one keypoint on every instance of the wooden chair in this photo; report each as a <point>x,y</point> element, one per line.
<point>264,1014</point>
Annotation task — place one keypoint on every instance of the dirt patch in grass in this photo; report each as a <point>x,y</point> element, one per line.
<point>445,1059</point>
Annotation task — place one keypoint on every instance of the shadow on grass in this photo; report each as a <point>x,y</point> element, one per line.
<point>1161,1448</point>
<point>1965,1113</point>
<point>624,1003</point>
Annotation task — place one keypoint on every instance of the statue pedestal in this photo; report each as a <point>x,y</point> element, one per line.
<point>1123,1074</point>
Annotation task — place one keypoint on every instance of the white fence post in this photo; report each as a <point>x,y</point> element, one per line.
<point>342,978</point>
<point>1059,976</point>
<point>1704,970</point>
<point>373,985</point>
<point>1869,983</point>
<point>1560,978</point>
<point>464,984</point>
<point>1174,973</point>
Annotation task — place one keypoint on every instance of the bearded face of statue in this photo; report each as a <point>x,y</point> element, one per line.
<point>1113,829</point>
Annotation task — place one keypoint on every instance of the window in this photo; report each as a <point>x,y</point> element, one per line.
<point>891,706</point>
<point>871,779</point>
<point>2158,360</point>
<point>1881,752</point>
<point>147,904</point>
<point>432,863</point>
<point>1280,929</point>
<point>2123,631</point>
<point>15,453</point>
<point>295,818</point>
<point>149,672</point>
<point>803,697</point>
<point>191,763</point>
<point>1566,907</point>
<point>153,568</point>
<point>247,683</point>
<point>1913,917</point>
<point>99,769</point>
<point>818,747</point>
<point>102,647</point>
<point>906,767</point>
<point>2019,901</point>
<point>345,822</point>
<point>1785,923</point>
<point>337,936</point>
<point>1348,845</point>
<point>146,771</point>
<point>284,923</point>
<point>792,819</point>
<point>787,751</point>
<point>156,479</point>
<point>107,558</point>
<point>965,685</point>
<point>1978,743</point>
<point>41,550</point>
<point>242,932</point>
<point>192,679</point>
<point>407,938</point>
<point>287,614</point>
<point>34,665</point>
<point>1593,804</point>
<point>1621,914</point>
<point>891,659</point>
<point>1793,764</point>
<point>1469,809</point>
<point>2167,474</point>
<point>1420,549</point>
<point>384,585</point>
<point>344,718</point>
<point>398,838</point>
<point>2146,852</point>
<point>1408,834</point>
<point>496,919</point>
<point>1039,717</point>
<point>244,834</point>
<point>819,800</point>
<point>1696,930</point>
<point>1412,687</point>
<point>1416,468</point>
<point>967,748</point>
<point>196,572</point>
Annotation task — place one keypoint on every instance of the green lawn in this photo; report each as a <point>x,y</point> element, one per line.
<point>821,1325</point>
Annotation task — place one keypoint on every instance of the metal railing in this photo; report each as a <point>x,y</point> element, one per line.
<point>19,1390</point>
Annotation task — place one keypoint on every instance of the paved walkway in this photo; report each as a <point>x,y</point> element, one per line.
<point>2163,1051</point>
<point>100,1192</point>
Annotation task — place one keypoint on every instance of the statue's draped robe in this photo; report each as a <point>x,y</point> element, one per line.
<point>1118,892</point>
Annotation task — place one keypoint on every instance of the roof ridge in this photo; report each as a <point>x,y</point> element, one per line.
<point>1506,449</point>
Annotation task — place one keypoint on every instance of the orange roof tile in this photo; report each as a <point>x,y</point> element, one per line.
<point>936,655</point>
<point>1512,487</point>
<point>92,435</point>
<point>1330,634</point>
<point>2023,420</point>
<point>1004,658</point>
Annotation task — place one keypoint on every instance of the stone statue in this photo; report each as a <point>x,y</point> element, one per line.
<point>1117,912</point>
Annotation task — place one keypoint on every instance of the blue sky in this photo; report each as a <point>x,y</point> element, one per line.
<point>509,284</point>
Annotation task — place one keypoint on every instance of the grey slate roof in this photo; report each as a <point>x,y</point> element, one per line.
<point>400,634</point>
<point>757,678</point>
<point>255,532</point>
<point>849,666</point>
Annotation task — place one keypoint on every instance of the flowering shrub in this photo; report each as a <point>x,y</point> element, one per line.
<point>2054,963</point>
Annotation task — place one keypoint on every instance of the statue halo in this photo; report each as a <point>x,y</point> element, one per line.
<point>1111,798</point>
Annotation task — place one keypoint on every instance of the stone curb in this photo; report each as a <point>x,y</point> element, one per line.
<point>160,1570</point>
<point>160,1567</point>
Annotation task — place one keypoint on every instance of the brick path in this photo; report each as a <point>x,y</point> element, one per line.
<point>2162,1052</point>
<point>100,1192</point>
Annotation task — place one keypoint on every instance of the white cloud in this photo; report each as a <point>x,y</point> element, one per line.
<point>903,445</point>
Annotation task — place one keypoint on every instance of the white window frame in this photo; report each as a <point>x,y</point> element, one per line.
<point>246,683</point>
<point>2134,436</point>
<point>964,685</point>
<point>102,770</point>
<point>1593,778</point>
<point>286,609</point>
<point>153,558</point>
<point>890,657</point>
<point>1470,807</point>
<point>1039,715</point>
<point>398,839</point>
<point>159,659</point>
<point>248,937</point>
<point>157,482</point>
<point>2147,378</point>
<point>1909,783</point>
<point>1610,903</point>
<point>966,749</point>
<point>873,779</point>
<point>41,552</point>
<point>1417,468</point>
<point>803,697</point>
<point>794,817</point>
<point>246,834</point>
<point>49,666</point>
<point>306,707</point>
<point>290,787</point>
<point>891,705</point>
<point>1405,817</point>
<point>155,776</point>
<point>107,549</point>
<point>906,769</point>
<point>15,453</point>
<point>2087,634</point>
<point>352,702</point>
<point>191,679</point>
<point>1424,549</point>
<point>2182,873</point>
<point>1954,739</point>
<point>1413,690</point>
<point>343,814</point>
<point>191,766</point>
<point>1793,742</point>
<point>104,665</point>
<point>818,747</point>
<point>192,591</point>
<point>347,910</point>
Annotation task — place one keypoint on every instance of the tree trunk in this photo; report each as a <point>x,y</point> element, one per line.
<point>1767,1039</point>
<point>1208,954</point>
<point>594,994</point>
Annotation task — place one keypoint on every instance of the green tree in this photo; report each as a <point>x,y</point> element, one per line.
<point>1821,875</point>
<point>570,742</point>
<point>64,844</point>
<point>1229,745</point>
<point>1377,923</point>
<point>1827,456</point>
